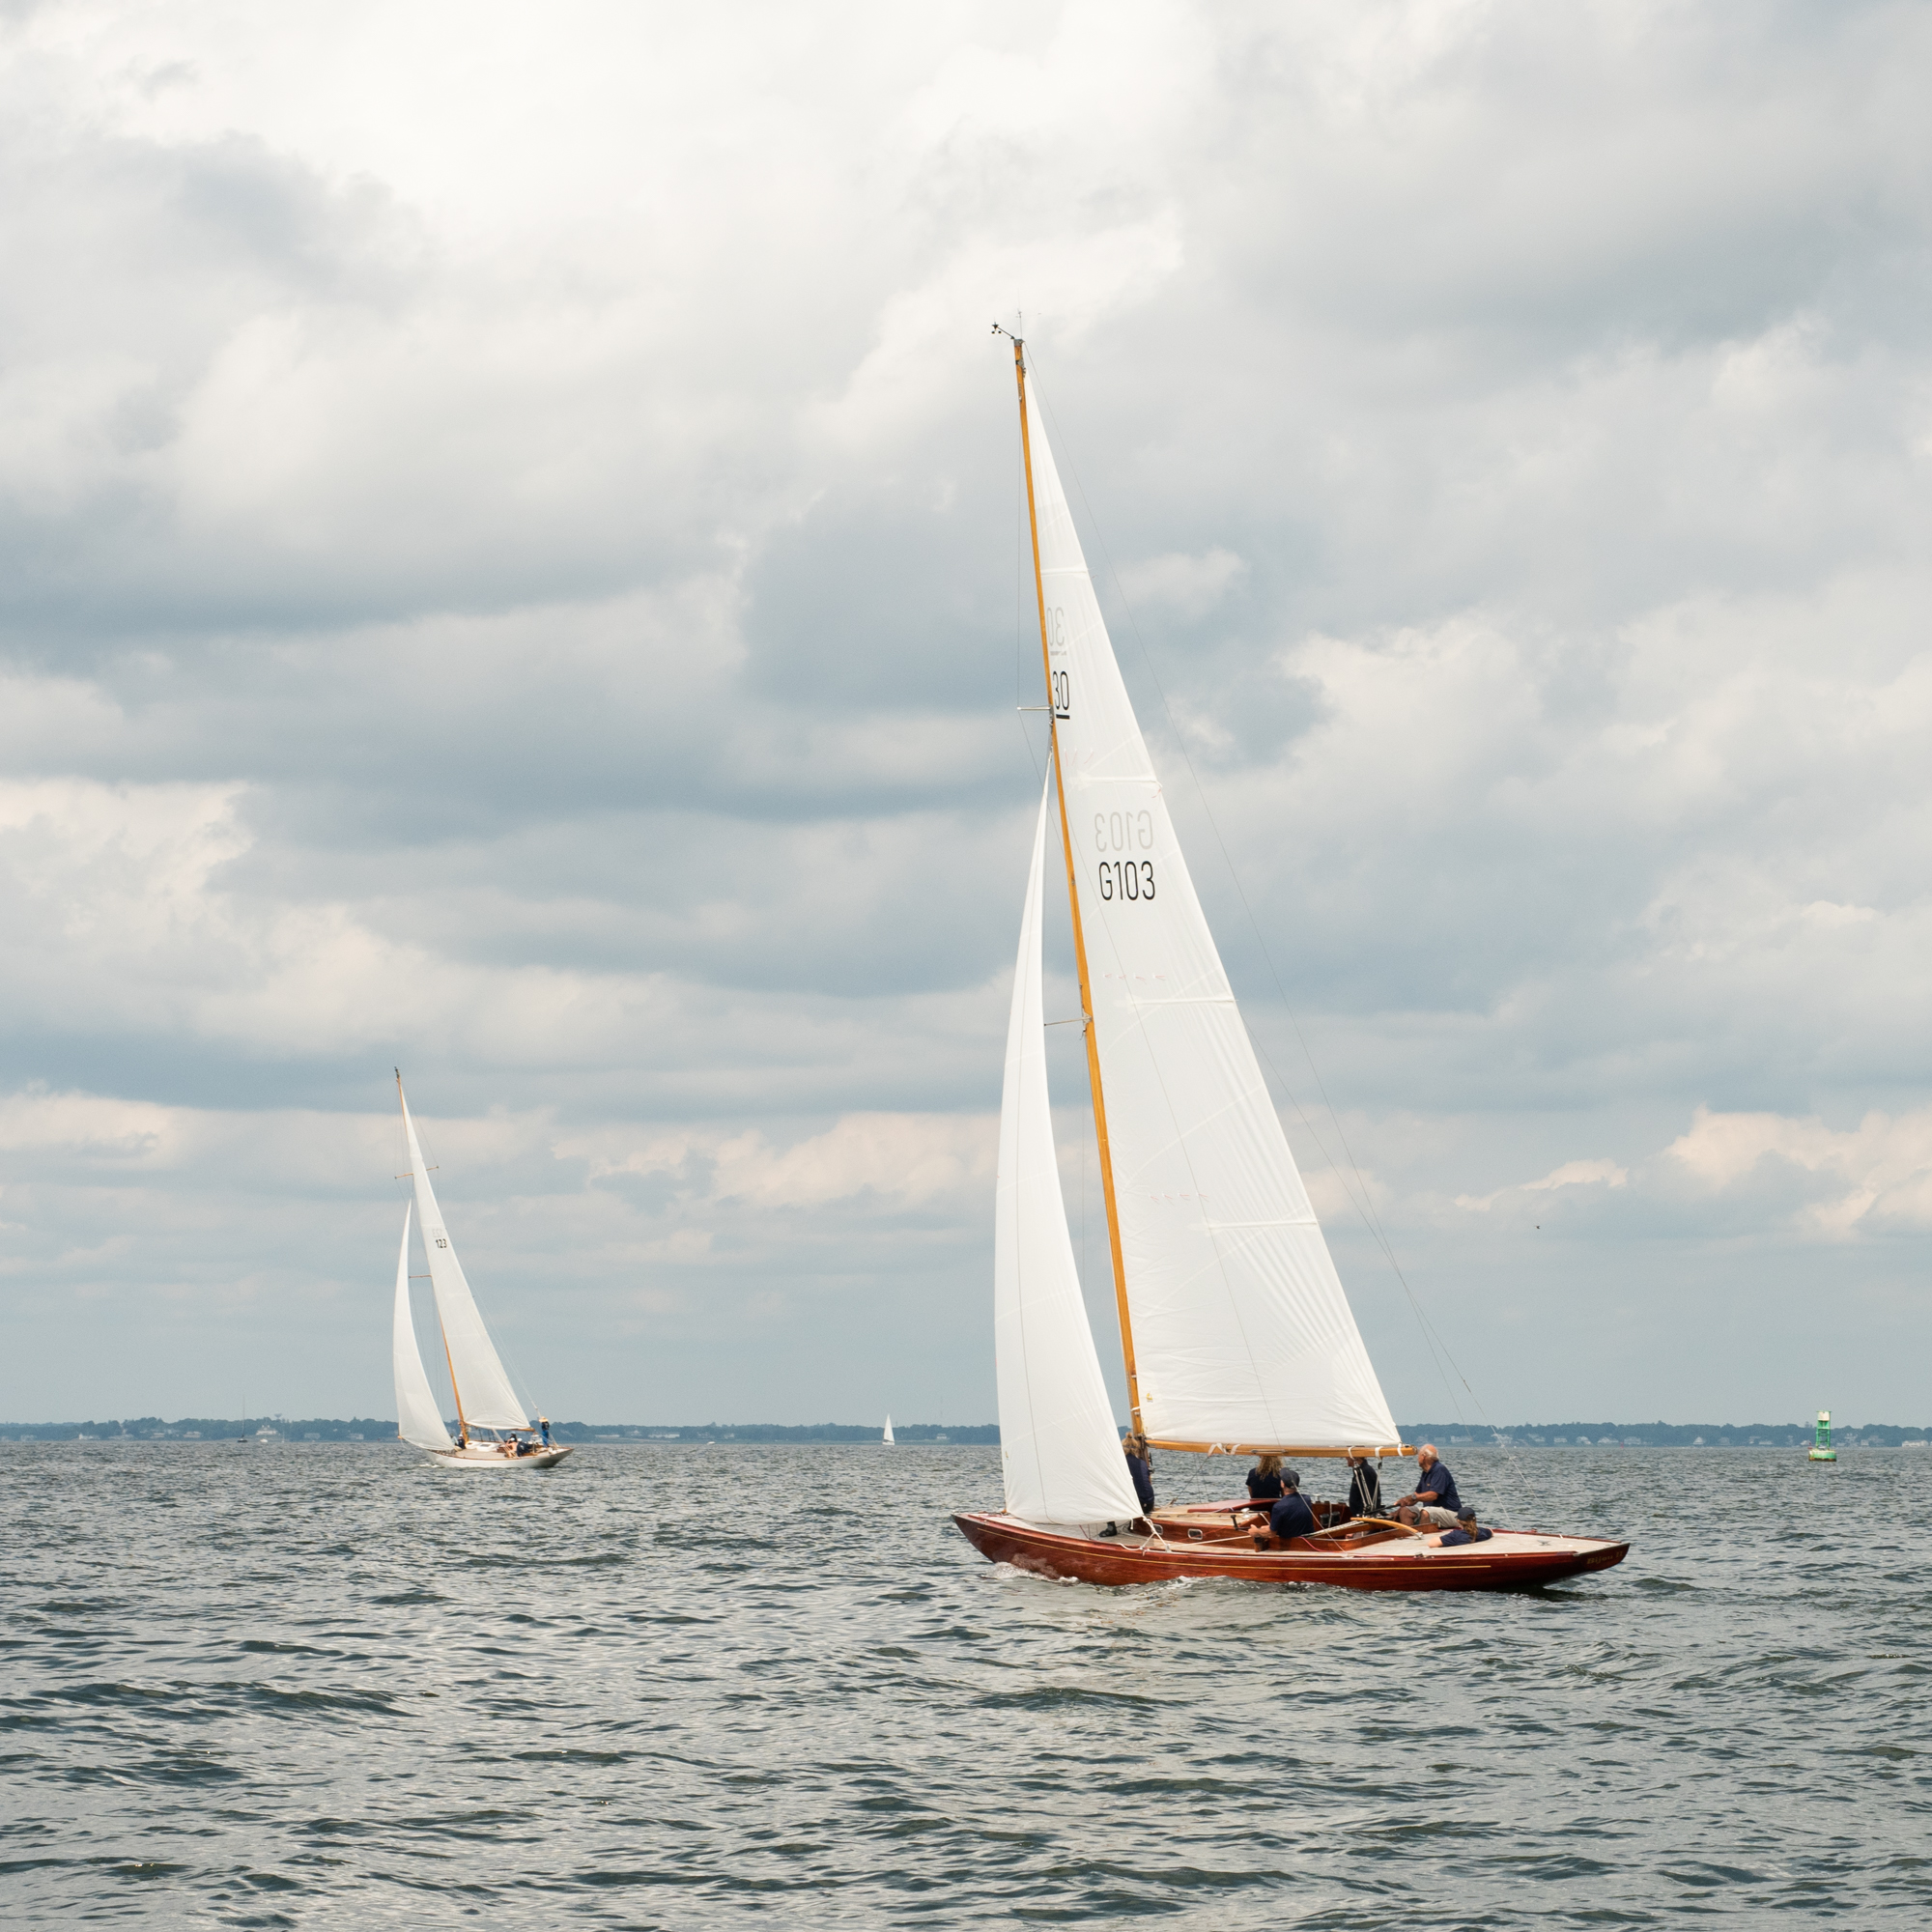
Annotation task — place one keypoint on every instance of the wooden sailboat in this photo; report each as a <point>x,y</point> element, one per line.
<point>1238,1337</point>
<point>492,1431</point>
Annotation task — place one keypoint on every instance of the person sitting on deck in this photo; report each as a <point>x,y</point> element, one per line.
<point>1365,1489</point>
<point>1136,1449</point>
<point>1265,1480</point>
<point>1434,1500</point>
<point>1290,1516</point>
<point>1466,1530</point>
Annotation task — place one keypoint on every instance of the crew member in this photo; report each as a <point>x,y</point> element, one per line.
<point>1265,1480</point>
<point>1365,1487</point>
<point>1434,1498</point>
<point>1136,1449</point>
<point>1291,1516</point>
<point>543,1426</point>
<point>1465,1530</point>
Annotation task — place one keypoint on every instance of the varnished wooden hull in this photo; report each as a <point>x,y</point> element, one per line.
<point>1509,1560</point>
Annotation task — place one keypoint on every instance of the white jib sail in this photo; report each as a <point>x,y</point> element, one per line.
<point>483,1391</point>
<point>1059,1450</point>
<point>1241,1330</point>
<point>416,1417</point>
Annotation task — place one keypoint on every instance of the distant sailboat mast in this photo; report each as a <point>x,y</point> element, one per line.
<point>418,1420</point>
<point>416,1168</point>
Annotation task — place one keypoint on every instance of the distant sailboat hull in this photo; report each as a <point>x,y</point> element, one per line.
<point>1378,1560</point>
<point>488,1456</point>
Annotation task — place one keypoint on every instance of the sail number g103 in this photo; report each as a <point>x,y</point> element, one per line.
<point>1125,832</point>
<point>1127,878</point>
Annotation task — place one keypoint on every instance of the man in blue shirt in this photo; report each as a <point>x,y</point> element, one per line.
<point>1434,1498</point>
<point>1290,1516</point>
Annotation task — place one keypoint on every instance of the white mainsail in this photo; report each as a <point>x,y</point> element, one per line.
<point>484,1397</point>
<point>417,1420</point>
<point>1059,1451</point>
<point>1241,1331</point>
<point>885,1439</point>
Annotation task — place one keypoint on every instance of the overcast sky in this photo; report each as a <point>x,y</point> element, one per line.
<point>510,567</point>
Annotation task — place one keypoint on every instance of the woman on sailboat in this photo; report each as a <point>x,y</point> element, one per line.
<point>1141,1470</point>
<point>1265,1480</point>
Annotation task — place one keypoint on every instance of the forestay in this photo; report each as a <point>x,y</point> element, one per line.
<point>417,1418</point>
<point>483,1392</point>
<point>1241,1331</point>
<point>1059,1451</point>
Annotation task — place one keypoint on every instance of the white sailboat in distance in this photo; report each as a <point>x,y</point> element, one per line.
<point>492,1431</point>
<point>886,1440</point>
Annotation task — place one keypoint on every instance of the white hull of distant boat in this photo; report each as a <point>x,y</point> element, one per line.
<point>491,1424</point>
<point>490,1456</point>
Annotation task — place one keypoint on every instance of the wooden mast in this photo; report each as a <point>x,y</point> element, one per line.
<point>1073,907</point>
<point>461,1421</point>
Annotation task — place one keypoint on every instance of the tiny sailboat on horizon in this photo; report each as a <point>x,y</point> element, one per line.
<point>492,1429</point>
<point>886,1440</point>
<point>1237,1335</point>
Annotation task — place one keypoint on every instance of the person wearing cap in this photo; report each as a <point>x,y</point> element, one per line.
<point>1365,1487</point>
<point>1434,1498</point>
<point>1465,1530</point>
<point>1291,1516</point>
<point>543,1429</point>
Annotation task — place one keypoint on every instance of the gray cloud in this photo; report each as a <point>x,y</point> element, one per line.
<point>511,556</point>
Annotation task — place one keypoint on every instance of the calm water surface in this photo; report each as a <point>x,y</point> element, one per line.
<point>687,1687</point>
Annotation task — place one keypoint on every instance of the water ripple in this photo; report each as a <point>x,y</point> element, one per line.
<point>328,1685</point>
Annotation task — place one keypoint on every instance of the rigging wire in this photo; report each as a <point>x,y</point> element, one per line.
<point>1359,1195</point>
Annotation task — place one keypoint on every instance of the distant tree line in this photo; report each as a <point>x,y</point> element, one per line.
<point>1662,1434</point>
<point>378,1429</point>
<point>1446,1436</point>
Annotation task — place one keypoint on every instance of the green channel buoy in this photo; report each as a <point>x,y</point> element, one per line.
<point>1820,1450</point>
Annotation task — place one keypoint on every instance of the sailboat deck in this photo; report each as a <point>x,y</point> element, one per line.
<point>1362,1557</point>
